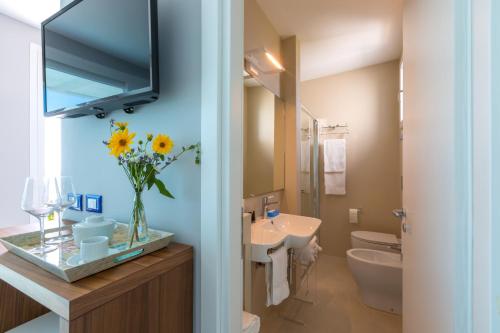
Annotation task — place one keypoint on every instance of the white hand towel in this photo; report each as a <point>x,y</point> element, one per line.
<point>309,253</point>
<point>251,323</point>
<point>334,153</point>
<point>276,277</point>
<point>335,183</point>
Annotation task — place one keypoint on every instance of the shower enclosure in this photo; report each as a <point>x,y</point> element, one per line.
<point>309,154</point>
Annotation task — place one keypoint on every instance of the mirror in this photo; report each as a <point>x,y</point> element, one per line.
<point>263,140</point>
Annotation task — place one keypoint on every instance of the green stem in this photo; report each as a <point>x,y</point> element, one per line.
<point>138,207</point>
<point>176,157</point>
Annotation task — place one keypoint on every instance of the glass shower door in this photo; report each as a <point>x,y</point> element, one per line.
<point>309,177</point>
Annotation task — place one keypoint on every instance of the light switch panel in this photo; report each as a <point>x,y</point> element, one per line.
<point>93,203</point>
<point>78,205</point>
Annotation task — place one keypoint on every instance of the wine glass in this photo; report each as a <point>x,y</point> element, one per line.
<point>61,197</point>
<point>34,202</point>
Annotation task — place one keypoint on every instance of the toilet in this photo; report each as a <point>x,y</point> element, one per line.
<point>375,240</point>
<point>375,263</point>
<point>379,276</point>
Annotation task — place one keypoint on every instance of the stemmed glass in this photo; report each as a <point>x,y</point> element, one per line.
<point>34,202</point>
<point>61,197</point>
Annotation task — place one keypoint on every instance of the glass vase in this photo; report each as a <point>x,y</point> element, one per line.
<point>138,225</point>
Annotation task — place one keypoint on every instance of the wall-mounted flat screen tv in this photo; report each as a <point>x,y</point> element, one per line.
<point>100,56</point>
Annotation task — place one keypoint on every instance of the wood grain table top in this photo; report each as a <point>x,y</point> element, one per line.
<point>71,300</point>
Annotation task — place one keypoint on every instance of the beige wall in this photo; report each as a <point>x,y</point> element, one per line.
<point>259,32</point>
<point>290,89</point>
<point>367,99</point>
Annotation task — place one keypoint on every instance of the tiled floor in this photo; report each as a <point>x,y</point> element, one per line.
<point>338,308</point>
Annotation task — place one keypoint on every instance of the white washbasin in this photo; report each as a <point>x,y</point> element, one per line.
<point>291,231</point>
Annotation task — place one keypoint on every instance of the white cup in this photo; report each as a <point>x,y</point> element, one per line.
<point>94,219</point>
<point>93,226</point>
<point>93,248</point>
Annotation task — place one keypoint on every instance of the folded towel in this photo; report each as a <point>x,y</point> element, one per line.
<point>251,323</point>
<point>310,252</point>
<point>335,183</point>
<point>277,277</point>
<point>334,153</point>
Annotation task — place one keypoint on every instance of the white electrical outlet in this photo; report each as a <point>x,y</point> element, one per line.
<point>354,215</point>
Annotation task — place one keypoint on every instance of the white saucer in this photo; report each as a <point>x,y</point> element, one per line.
<point>76,260</point>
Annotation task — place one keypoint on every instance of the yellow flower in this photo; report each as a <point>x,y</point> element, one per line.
<point>121,125</point>
<point>120,142</point>
<point>162,144</point>
<point>150,137</point>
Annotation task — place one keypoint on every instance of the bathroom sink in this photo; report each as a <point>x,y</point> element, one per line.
<point>300,229</point>
<point>265,236</point>
<point>291,231</point>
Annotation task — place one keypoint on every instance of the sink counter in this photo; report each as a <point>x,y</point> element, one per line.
<point>291,231</point>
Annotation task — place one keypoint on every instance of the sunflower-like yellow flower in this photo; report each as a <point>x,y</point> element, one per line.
<point>121,125</point>
<point>162,144</point>
<point>120,142</point>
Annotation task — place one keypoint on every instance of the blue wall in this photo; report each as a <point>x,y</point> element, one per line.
<point>177,113</point>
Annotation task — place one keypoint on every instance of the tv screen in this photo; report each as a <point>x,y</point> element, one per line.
<point>100,56</point>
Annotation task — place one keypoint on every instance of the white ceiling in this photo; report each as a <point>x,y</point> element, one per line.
<point>32,12</point>
<point>339,35</point>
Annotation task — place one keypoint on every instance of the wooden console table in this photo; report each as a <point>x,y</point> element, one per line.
<point>153,293</point>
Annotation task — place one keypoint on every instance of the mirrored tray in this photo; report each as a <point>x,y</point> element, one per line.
<point>60,262</point>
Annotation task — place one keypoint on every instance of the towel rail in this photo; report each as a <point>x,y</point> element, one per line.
<point>276,248</point>
<point>330,129</point>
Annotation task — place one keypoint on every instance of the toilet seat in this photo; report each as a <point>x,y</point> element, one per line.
<point>376,237</point>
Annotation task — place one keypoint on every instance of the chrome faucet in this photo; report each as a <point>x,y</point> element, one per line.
<point>266,203</point>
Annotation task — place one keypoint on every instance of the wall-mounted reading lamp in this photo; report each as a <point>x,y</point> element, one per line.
<point>261,61</point>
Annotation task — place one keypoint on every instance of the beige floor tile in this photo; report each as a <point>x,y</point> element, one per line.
<point>337,309</point>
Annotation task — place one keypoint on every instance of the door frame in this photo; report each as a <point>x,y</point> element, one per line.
<point>482,174</point>
<point>464,162</point>
<point>222,168</point>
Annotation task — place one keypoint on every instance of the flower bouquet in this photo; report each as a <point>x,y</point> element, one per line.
<point>142,164</point>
